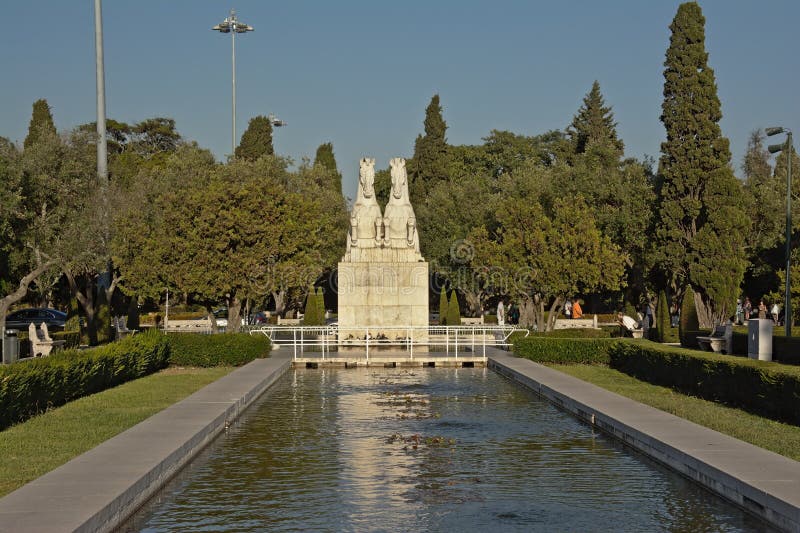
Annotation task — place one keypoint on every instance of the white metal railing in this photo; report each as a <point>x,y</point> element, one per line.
<point>326,339</point>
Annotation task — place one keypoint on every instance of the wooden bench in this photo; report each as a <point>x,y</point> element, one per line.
<point>720,341</point>
<point>41,343</point>
<point>202,325</point>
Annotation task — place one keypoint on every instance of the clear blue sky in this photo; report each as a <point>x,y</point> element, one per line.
<point>360,73</point>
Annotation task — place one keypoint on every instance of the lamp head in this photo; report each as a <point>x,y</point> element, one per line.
<point>775,130</point>
<point>775,148</point>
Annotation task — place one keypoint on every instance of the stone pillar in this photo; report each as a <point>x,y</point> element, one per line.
<point>759,339</point>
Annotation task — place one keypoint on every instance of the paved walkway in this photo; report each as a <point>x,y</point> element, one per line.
<point>763,482</point>
<point>97,490</point>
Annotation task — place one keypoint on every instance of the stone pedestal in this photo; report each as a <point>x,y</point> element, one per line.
<point>379,295</point>
<point>759,339</point>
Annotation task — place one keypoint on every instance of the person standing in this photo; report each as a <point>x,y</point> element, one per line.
<point>568,308</point>
<point>748,308</point>
<point>739,311</point>
<point>577,312</point>
<point>501,314</point>
<point>776,310</point>
<point>762,309</point>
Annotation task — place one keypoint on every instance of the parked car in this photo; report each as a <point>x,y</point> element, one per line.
<point>20,319</point>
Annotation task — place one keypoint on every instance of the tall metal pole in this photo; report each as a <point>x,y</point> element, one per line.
<point>789,151</point>
<point>102,153</point>
<point>233,90</point>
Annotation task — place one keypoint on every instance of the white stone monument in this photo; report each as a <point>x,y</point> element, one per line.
<point>383,279</point>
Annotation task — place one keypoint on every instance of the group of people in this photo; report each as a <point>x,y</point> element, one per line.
<point>511,316</point>
<point>572,309</point>
<point>744,311</point>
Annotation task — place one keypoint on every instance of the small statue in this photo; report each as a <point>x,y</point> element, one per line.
<point>399,222</point>
<point>365,219</point>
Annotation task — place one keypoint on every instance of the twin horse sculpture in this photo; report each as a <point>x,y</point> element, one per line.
<point>397,226</point>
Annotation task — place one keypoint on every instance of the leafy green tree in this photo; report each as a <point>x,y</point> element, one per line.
<point>689,321</point>
<point>326,158</point>
<point>430,160</point>
<point>256,139</point>
<point>453,310</point>
<point>443,307</point>
<point>594,125</point>
<point>542,251</point>
<point>662,318</point>
<point>699,237</point>
<point>41,125</point>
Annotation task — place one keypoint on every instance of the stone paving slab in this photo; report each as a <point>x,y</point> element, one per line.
<point>760,481</point>
<point>99,489</point>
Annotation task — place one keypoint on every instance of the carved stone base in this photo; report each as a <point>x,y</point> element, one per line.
<point>381,295</point>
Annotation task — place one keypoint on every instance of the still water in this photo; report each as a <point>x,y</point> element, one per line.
<point>424,450</point>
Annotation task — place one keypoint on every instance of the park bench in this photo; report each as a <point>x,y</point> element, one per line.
<point>202,325</point>
<point>41,343</point>
<point>720,341</point>
<point>573,323</point>
<point>288,321</point>
<point>122,328</point>
<point>472,321</point>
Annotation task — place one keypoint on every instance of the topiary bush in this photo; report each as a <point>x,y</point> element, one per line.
<point>224,349</point>
<point>662,319</point>
<point>453,310</point>
<point>763,388</point>
<point>310,317</point>
<point>443,306</point>
<point>564,351</point>
<point>31,387</point>
<point>689,324</point>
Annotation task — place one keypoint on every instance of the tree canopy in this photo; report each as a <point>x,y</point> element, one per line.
<point>256,140</point>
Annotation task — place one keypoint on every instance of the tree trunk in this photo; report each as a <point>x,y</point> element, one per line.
<point>554,310</point>
<point>87,303</point>
<point>474,302</point>
<point>280,301</point>
<point>527,312</point>
<point>19,293</point>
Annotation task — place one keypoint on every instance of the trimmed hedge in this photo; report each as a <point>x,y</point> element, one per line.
<point>763,388</point>
<point>565,351</point>
<point>29,388</point>
<point>574,333</point>
<point>224,349</point>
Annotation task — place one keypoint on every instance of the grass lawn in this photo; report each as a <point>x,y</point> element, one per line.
<point>783,439</point>
<point>47,441</point>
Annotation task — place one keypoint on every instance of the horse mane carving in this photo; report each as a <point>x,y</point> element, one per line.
<point>399,221</point>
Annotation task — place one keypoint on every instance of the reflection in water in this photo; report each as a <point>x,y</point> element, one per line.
<point>423,450</point>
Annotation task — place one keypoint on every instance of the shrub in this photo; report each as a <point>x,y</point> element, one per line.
<point>688,322</point>
<point>443,306</point>
<point>564,351</point>
<point>453,311</point>
<point>31,387</point>
<point>320,306</point>
<point>72,338</point>
<point>662,318</point>
<point>224,349</point>
<point>102,318</point>
<point>575,333</point>
<point>763,388</point>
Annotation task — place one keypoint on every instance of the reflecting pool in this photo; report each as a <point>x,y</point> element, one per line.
<point>424,450</point>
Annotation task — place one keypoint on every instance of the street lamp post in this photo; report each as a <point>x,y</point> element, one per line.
<point>233,26</point>
<point>787,149</point>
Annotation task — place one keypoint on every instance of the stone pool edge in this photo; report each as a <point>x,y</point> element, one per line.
<point>100,489</point>
<point>757,480</point>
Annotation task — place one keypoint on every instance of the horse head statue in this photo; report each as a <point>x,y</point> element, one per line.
<point>366,178</point>
<point>399,181</point>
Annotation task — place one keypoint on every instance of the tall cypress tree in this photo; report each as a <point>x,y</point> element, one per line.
<point>256,140</point>
<point>41,124</point>
<point>443,307</point>
<point>430,152</point>
<point>326,158</point>
<point>594,125</point>
<point>701,222</point>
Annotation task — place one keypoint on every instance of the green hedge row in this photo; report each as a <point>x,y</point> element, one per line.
<point>565,351</point>
<point>224,349</point>
<point>32,387</point>
<point>764,388</point>
<point>574,333</point>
